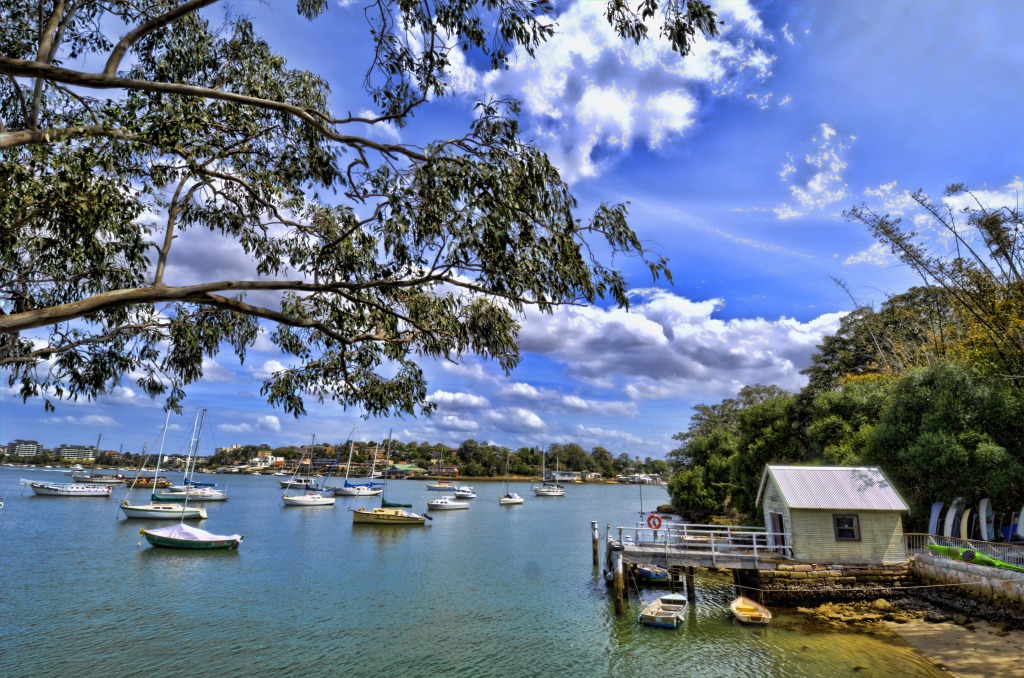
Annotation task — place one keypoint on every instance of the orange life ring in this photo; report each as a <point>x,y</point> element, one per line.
<point>653,521</point>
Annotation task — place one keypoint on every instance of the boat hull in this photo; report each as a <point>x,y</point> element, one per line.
<point>748,611</point>
<point>452,506</point>
<point>191,495</point>
<point>169,511</point>
<point>308,500</point>
<point>190,541</point>
<point>357,491</point>
<point>70,490</point>
<point>665,612</point>
<point>386,516</point>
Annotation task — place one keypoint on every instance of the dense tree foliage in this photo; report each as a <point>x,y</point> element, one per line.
<point>366,257</point>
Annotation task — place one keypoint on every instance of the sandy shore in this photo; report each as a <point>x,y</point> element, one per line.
<point>978,649</point>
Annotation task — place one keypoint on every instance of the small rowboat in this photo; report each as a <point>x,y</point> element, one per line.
<point>749,611</point>
<point>666,612</point>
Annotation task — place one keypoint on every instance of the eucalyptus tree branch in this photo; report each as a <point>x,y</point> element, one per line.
<point>33,69</point>
<point>48,136</point>
<point>143,29</point>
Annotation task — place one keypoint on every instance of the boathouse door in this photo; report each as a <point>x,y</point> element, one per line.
<point>778,536</point>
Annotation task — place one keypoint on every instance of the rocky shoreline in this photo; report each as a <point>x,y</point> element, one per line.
<point>990,642</point>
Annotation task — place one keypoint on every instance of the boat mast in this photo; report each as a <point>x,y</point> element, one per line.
<point>193,446</point>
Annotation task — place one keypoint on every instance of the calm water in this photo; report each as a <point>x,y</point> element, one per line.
<point>492,591</point>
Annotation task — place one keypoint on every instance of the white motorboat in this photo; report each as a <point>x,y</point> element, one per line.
<point>465,492</point>
<point>68,489</point>
<point>446,503</point>
<point>308,499</point>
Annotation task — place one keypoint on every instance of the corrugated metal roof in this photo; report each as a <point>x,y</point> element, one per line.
<point>834,487</point>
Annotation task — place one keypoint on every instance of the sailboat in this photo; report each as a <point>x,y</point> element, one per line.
<point>366,489</point>
<point>508,498</point>
<point>165,510</point>
<point>546,489</point>
<point>188,491</point>
<point>182,536</point>
<point>311,496</point>
<point>388,513</point>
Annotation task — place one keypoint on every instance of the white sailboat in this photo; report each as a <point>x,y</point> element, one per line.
<point>509,498</point>
<point>311,496</point>
<point>366,489</point>
<point>167,510</point>
<point>189,491</point>
<point>547,489</point>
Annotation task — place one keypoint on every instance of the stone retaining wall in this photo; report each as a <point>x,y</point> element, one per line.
<point>999,588</point>
<point>803,584</point>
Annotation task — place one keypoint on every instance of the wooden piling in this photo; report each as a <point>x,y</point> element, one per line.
<point>594,535</point>
<point>691,589</point>
<point>618,580</point>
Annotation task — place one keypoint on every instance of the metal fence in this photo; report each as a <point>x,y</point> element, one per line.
<point>713,540</point>
<point>1009,552</point>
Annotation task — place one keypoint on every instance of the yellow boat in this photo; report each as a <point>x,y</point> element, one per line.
<point>749,611</point>
<point>387,516</point>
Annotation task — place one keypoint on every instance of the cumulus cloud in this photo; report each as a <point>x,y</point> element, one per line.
<point>458,401</point>
<point>592,95</point>
<point>667,345</point>
<point>515,420</point>
<point>268,423</point>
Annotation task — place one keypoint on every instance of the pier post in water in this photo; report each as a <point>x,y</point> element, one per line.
<point>618,579</point>
<point>691,590</point>
<point>593,535</point>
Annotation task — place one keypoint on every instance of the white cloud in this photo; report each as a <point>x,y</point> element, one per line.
<point>1010,196</point>
<point>522,390</point>
<point>268,423</point>
<point>454,423</point>
<point>458,401</point>
<point>267,369</point>
<point>876,255</point>
<point>667,346</point>
<point>516,419</point>
<point>817,182</point>
<point>593,95</point>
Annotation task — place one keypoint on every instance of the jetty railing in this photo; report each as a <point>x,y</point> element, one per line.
<point>1010,552</point>
<point>712,540</point>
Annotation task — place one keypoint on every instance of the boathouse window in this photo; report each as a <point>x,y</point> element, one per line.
<point>847,527</point>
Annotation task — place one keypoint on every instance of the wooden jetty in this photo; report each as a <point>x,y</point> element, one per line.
<point>681,547</point>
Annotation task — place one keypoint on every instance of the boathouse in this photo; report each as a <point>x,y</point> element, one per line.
<point>833,514</point>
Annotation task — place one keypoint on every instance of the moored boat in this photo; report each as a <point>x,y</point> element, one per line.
<point>665,612</point>
<point>509,498</point>
<point>68,489</point>
<point>446,503</point>
<point>387,516</point>
<point>749,611</point>
<point>183,536</point>
<point>191,494</point>
<point>652,573</point>
<point>465,492</point>
<point>166,511</point>
<point>442,486</point>
<point>99,478</point>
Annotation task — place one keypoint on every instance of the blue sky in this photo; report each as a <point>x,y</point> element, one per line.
<point>737,163</point>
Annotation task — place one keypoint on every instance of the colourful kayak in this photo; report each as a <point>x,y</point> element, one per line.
<point>972,556</point>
